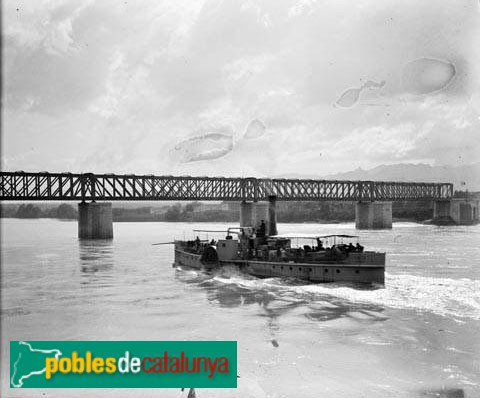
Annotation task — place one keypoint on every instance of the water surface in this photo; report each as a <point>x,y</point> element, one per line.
<point>417,337</point>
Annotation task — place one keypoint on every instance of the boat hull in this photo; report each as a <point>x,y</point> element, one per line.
<point>317,273</point>
<point>366,267</point>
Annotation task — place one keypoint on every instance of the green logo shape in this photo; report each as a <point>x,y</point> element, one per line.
<point>123,364</point>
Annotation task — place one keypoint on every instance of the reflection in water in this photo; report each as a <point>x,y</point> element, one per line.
<point>276,296</point>
<point>95,256</point>
<point>334,309</point>
<point>232,295</point>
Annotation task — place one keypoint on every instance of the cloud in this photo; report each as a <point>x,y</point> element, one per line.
<point>114,86</point>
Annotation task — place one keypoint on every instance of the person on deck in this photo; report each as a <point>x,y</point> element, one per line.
<point>320,245</point>
<point>262,230</point>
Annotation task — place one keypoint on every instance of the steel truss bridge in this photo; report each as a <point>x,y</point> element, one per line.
<point>112,187</point>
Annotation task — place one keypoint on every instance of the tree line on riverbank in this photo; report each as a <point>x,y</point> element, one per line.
<point>287,212</point>
<point>63,211</point>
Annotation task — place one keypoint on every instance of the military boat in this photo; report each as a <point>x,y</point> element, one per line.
<point>329,258</point>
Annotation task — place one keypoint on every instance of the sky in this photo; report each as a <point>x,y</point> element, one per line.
<point>239,87</point>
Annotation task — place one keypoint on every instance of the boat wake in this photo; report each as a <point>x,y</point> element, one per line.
<point>456,298</point>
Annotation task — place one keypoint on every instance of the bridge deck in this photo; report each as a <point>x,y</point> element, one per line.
<point>79,187</point>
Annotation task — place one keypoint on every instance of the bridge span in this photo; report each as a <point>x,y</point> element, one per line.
<point>373,207</point>
<point>89,186</point>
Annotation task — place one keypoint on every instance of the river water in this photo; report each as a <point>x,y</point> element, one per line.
<point>416,337</point>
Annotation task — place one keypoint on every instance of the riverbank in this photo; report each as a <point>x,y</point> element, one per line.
<point>150,220</point>
<point>287,212</point>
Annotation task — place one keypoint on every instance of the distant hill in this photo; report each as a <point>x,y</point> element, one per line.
<point>469,174</point>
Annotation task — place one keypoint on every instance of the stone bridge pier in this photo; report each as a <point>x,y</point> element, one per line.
<point>252,214</point>
<point>456,211</point>
<point>95,220</point>
<point>373,215</point>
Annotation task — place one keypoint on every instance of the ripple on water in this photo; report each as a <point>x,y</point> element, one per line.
<point>458,298</point>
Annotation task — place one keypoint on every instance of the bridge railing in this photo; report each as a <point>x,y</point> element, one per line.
<point>111,187</point>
